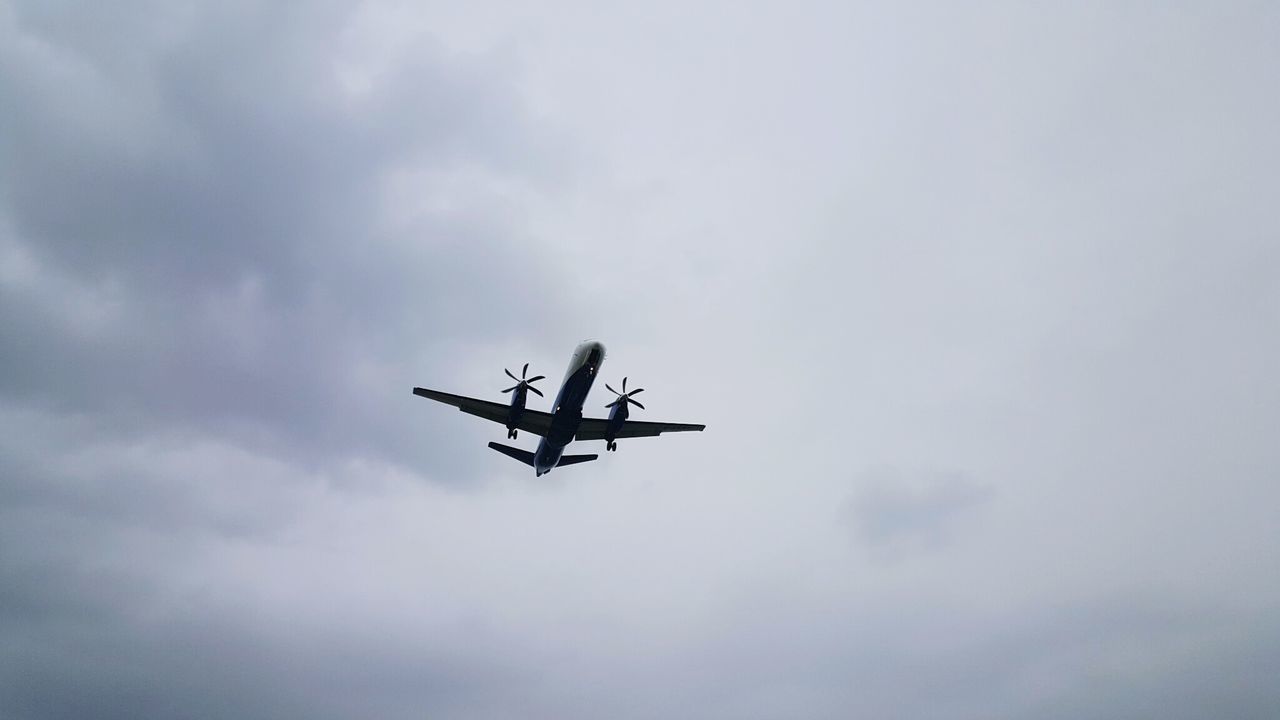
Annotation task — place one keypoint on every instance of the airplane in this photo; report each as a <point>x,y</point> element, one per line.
<point>564,423</point>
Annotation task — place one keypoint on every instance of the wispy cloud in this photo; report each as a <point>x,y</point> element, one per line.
<point>901,510</point>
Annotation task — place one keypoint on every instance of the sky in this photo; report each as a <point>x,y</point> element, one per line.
<point>979,303</point>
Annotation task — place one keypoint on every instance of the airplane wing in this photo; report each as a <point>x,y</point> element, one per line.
<point>531,421</point>
<point>593,428</point>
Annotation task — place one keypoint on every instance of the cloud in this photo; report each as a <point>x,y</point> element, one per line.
<point>911,510</point>
<point>209,249</point>
<point>1015,262</point>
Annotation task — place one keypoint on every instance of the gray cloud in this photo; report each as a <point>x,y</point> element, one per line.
<point>201,268</point>
<point>896,509</point>
<point>218,245</point>
<point>1031,246</point>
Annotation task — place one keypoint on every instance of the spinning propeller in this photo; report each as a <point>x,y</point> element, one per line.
<point>624,397</point>
<point>522,382</point>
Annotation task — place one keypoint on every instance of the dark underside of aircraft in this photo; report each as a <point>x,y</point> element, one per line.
<point>565,422</point>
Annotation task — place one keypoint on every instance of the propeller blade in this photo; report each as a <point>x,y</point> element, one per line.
<point>535,391</point>
<point>635,392</point>
<point>633,402</point>
<point>615,392</point>
<point>525,371</point>
<point>535,379</point>
<point>624,386</point>
<point>508,372</point>
<point>513,387</point>
<point>615,402</point>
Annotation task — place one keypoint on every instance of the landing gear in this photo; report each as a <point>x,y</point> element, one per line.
<point>511,434</point>
<point>611,446</point>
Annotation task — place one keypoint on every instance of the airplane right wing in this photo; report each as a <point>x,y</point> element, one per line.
<point>533,421</point>
<point>593,428</point>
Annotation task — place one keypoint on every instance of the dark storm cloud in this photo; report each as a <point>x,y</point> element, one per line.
<point>222,195</point>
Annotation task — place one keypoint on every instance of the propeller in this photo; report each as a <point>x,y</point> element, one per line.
<point>624,396</point>
<point>523,382</point>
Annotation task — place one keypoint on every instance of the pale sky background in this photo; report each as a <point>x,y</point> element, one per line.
<point>980,303</point>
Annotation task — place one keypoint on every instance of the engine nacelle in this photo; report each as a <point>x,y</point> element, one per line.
<point>517,407</point>
<point>520,391</point>
<point>617,416</point>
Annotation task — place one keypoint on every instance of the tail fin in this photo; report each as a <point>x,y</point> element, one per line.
<point>523,456</point>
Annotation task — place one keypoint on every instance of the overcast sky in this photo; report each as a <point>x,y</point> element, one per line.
<point>980,303</point>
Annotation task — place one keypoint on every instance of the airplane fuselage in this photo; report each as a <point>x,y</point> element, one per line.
<point>566,413</point>
<point>565,423</point>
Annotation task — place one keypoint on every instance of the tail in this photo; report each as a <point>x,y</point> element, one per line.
<point>526,457</point>
<point>523,456</point>
<point>575,459</point>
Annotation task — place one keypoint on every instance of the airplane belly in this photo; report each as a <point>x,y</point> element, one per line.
<point>567,412</point>
<point>547,456</point>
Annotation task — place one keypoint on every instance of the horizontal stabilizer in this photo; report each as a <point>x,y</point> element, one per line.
<point>526,457</point>
<point>575,459</point>
<point>523,456</point>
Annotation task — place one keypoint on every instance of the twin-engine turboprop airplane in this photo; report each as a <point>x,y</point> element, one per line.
<point>564,423</point>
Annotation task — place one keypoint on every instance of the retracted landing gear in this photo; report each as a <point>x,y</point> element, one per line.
<point>511,434</point>
<point>611,446</point>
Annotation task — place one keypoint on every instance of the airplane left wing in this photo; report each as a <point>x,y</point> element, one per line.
<point>531,421</point>
<point>593,428</point>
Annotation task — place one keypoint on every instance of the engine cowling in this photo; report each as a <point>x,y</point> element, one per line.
<point>518,399</point>
<point>619,412</point>
<point>520,391</point>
